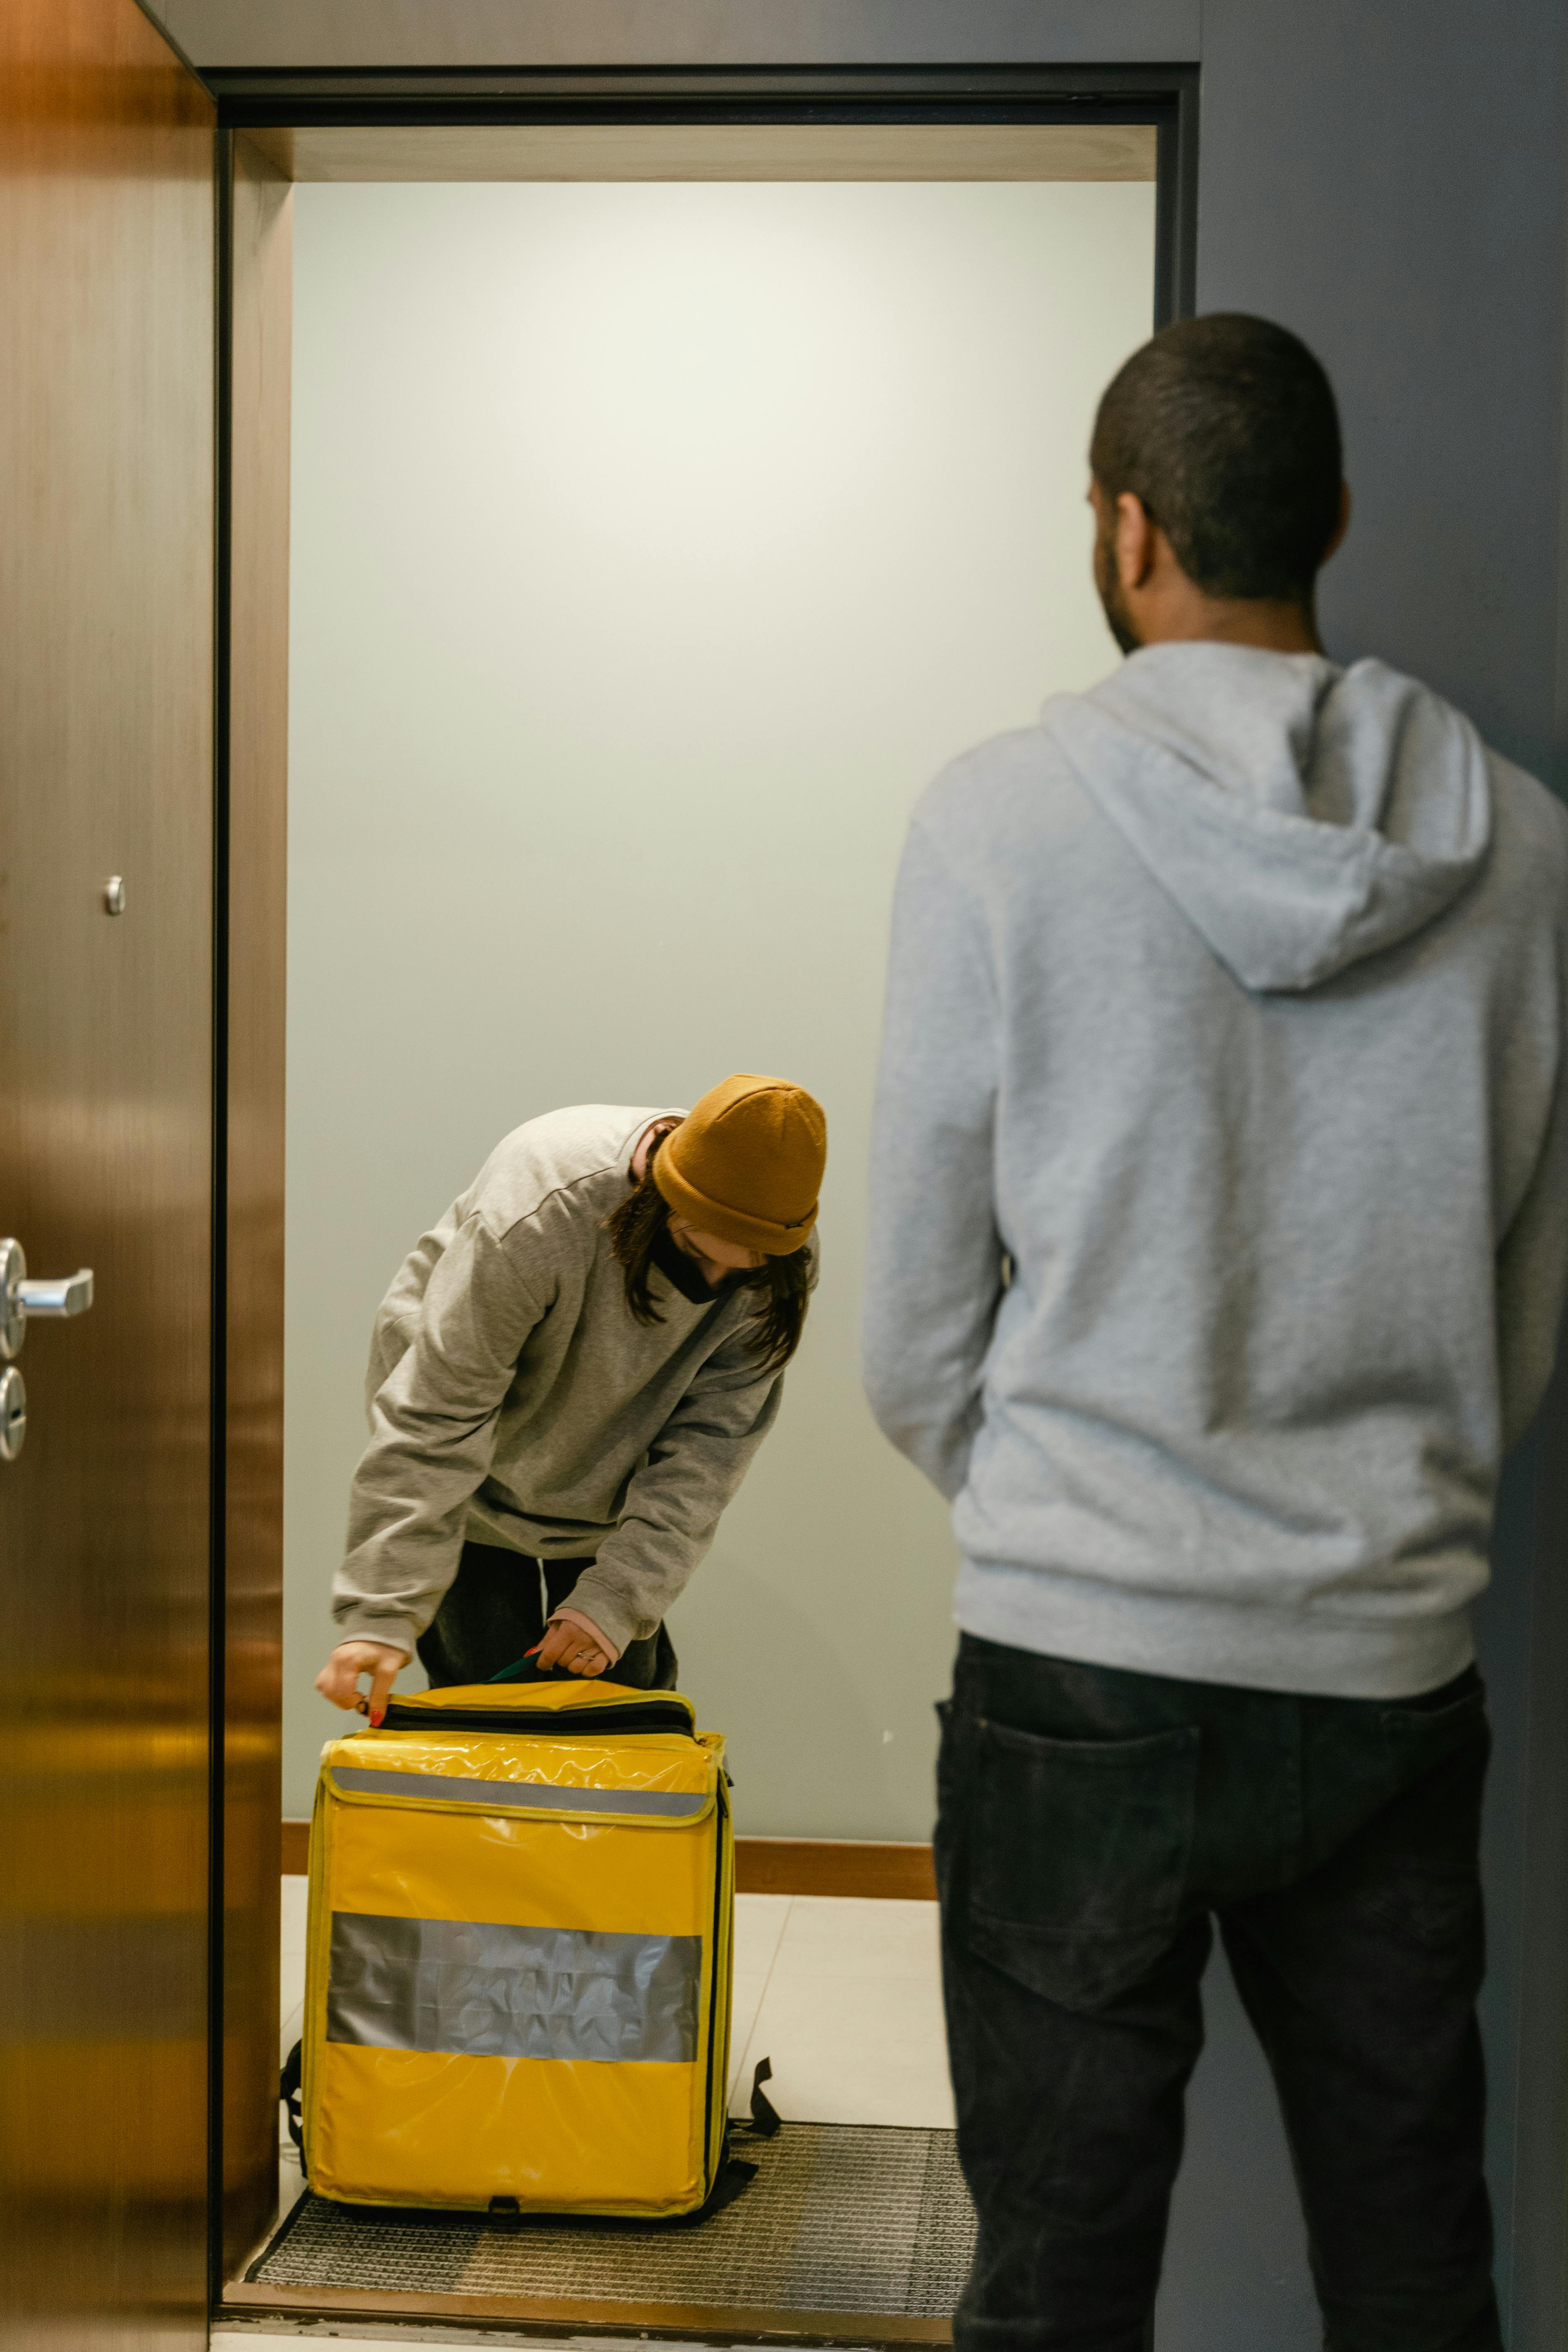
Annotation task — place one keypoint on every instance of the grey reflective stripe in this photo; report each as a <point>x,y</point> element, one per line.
<point>354,1777</point>
<point>471,1988</point>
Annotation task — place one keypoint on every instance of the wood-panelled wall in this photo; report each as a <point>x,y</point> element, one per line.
<point>258,741</point>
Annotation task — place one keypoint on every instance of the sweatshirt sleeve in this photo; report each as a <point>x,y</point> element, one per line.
<point>933,1260</point>
<point>1532,1266</point>
<point>433,1421</point>
<point>676,1498</point>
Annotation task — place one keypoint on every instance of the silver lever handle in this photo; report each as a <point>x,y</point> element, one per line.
<point>21,1300</point>
<point>71,1294</point>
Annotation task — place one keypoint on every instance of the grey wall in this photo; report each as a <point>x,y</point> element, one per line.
<point>218,34</point>
<point>652,547</point>
<point>1390,182</point>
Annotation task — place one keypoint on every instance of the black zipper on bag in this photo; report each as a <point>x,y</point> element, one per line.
<point>578,1722</point>
<point>722,1806</point>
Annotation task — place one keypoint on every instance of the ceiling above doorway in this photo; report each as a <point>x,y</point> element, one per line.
<point>714,150</point>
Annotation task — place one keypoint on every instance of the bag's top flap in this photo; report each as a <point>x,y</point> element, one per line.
<point>566,1709</point>
<point>666,1781</point>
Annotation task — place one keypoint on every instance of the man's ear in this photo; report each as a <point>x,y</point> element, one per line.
<point>1134,541</point>
<point>1337,539</point>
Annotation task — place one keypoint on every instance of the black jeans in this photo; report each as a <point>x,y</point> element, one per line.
<point>1090,1822</point>
<point>496,1608</point>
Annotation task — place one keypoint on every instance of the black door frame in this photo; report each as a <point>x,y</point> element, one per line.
<point>1165,97</point>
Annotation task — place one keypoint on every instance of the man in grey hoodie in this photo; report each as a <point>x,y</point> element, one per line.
<point>1219,1245</point>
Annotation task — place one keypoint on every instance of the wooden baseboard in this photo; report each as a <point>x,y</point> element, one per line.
<point>779,1865</point>
<point>708,2324</point>
<point>834,1866</point>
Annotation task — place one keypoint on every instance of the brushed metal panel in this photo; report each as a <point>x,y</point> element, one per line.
<point>260,305</point>
<point>106,669</point>
<point>446,33</point>
<point>717,151</point>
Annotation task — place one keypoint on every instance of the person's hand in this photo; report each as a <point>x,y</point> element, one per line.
<point>338,1679</point>
<point>573,1647</point>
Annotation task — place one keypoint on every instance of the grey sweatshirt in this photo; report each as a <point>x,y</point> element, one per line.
<point>514,1401</point>
<point>1219,1204</point>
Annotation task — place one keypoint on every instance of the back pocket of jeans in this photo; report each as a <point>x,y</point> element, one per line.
<point>1078,1856</point>
<point>1430,1885</point>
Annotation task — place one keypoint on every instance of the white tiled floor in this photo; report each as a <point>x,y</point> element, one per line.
<point>291,2009</point>
<point>845,1998</point>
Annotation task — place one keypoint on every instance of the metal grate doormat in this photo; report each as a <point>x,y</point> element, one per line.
<point>840,2218</point>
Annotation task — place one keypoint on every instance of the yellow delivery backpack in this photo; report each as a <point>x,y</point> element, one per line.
<point>518,1977</point>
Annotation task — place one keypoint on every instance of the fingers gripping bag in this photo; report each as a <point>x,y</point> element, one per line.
<point>519,1954</point>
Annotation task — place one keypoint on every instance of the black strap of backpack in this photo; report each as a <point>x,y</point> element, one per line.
<point>290,2090</point>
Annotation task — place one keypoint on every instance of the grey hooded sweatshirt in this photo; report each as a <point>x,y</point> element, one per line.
<point>1219,1218</point>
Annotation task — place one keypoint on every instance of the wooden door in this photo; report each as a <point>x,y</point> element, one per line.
<point>255,797</point>
<point>106,1161</point>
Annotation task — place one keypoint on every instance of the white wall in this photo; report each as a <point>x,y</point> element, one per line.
<point>652,547</point>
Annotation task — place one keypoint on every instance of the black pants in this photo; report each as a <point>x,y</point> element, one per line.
<point>1090,1823</point>
<point>497,1609</point>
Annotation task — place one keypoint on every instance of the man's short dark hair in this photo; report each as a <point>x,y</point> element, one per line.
<point>1226,427</point>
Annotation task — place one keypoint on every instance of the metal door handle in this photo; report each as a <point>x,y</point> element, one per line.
<point>69,1294</point>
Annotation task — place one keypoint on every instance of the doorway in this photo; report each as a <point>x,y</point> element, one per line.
<point>652,547</point>
<point>668,506</point>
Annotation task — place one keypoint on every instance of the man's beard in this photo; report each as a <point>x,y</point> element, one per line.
<point>1112,597</point>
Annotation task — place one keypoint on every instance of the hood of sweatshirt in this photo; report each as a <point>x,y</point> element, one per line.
<point>1301,816</point>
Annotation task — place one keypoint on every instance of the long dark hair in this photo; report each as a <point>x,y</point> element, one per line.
<point>783,1284</point>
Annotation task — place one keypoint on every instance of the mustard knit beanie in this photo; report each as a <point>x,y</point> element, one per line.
<point>745,1164</point>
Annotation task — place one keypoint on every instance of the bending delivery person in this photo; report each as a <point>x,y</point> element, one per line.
<point>568,1381</point>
